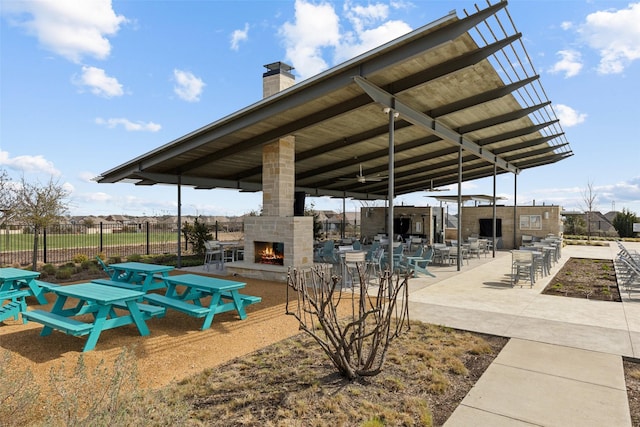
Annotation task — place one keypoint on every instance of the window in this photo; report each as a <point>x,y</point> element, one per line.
<point>530,222</point>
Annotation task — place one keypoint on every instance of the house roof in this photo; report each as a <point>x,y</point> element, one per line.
<point>457,85</point>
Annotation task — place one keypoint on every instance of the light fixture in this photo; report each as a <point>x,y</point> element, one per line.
<point>387,110</point>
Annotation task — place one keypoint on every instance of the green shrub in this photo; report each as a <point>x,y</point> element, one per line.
<point>87,264</point>
<point>64,273</point>
<point>134,258</point>
<point>49,269</point>
<point>80,258</point>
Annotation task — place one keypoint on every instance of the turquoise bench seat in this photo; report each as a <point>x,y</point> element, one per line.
<point>246,299</point>
<point>146,309</point>
<point>67,325</point>
<point>185,307</point>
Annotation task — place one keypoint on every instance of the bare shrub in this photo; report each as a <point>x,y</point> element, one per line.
<point>356,344</point>
<point>18,392</point>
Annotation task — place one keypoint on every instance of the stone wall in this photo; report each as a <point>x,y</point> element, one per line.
<point>537,221</point>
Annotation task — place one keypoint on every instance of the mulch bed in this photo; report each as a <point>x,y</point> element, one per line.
<point>585,278</point>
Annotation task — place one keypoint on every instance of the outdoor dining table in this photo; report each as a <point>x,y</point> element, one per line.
<point>185,293</point>
<point>16,279</point>
<point>148,276</point>
<point>101,301</point>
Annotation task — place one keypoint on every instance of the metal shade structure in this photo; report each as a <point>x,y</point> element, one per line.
<point>466,103</point>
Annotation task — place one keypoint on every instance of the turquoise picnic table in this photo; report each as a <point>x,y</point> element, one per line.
<point>16,279</point>
<point>185,293</point>
<point>137,276</point>
<point>110,306</point>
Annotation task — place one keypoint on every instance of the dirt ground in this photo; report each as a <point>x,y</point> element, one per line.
<point>176,347</point>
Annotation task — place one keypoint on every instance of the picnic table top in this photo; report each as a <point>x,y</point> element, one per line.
<point>101,294</point>
<point>142,267</point>
<point>11,273</point>
<point>204,282</point>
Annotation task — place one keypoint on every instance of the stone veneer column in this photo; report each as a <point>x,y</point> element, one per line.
<point>278,177</point>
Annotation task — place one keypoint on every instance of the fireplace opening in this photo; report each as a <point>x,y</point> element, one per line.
<point>269,253</point>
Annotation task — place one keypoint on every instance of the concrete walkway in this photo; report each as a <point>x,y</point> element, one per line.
<point>563,365</point>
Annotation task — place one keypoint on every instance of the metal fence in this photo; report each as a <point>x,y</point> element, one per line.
<point>62,243</point>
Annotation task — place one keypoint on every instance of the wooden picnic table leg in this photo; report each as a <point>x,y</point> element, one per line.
<point>56,309</point>
<point>215,300</point>
<point>98,323</point>
<point>37,291</point>
<point>237,301</point>
<point>138,319</point>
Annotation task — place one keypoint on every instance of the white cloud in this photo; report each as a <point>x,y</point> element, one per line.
<point>315,27</point>
<point>69,28</point>
<point>87,176</point>
<point>188,87</point>
<point>615,34</point>
<point>129,125</point>
<point>568,116</point>
<point>31,164</point>
<point>566,25</point>
<point>238,36</point>
<point>316,34</point>
<point>570,63</point>
<point>99,82</point>
<point>370,39</point>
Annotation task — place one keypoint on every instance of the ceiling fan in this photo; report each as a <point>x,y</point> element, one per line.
<point>362,178</point>
<point>431,188</point>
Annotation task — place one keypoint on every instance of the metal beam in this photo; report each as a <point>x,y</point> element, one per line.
<point>431,125</point>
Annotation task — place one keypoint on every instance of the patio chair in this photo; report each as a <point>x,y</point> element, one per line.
<point>403,264</point>
<point>522,267</point>
<point>104,266</point>
<point>474,248</point>
<point>374,265</point>
<point>329,254</point>
<point>213,254</point>
<point>419,265</point>
<point>354,263</point>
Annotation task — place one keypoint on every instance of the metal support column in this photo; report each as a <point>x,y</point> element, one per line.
<point>495,222</point>
<point>392,114</point>
<point>515,209</point>
<point>459,257</point>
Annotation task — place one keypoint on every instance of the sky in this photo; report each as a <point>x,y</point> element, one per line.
<point>86,85</point>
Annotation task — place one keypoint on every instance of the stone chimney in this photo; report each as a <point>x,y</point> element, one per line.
<point>277,78</point>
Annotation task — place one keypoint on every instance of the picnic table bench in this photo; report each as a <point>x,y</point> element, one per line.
<point>224,297</point>
<point>16,278</point>
<point>101,301</point>
<point>143,276</point>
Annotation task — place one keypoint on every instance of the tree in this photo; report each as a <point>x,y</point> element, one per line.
<point>589,197</point>
<point>39,205</point>
<point>197,234</point>
<point>7,197</point>
<point>317,226</point>
<point>574,225</point>
<point>623,223</point>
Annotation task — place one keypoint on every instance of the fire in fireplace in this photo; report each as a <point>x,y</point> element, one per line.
<point>269,253</point>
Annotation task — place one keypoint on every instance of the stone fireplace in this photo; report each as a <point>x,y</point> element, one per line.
<point>277,229</point>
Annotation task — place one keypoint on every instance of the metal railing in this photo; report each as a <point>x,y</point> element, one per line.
<point>62,243</point>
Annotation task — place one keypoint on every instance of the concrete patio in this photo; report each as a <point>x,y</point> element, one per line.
<point>563,365</point>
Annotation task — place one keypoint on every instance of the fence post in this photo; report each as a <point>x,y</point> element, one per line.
<point>216,230</point>
<point>147,227</point>
<point>101,242</point>
<point>44,243</point>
